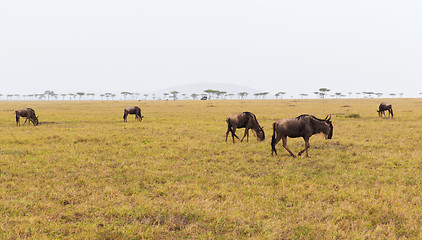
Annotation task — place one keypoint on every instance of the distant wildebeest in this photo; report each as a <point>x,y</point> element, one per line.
<point>28,113</point>
<point>385,107</point>
<point>245,120</point>
<point>303,126</point>
<point>132,110</point>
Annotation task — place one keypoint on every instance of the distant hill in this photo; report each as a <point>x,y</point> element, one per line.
<point>199,88</point>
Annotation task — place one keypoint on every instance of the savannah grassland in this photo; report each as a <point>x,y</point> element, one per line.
<point>85,174</point>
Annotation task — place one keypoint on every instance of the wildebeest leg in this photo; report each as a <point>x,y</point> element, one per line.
<point>285,146</point>
<point>231,129</point>
<point>26,121</point>
<point>274,141</point>
<point>307,145</point>
<point>234,133</point>
<point>246,134</point>
<point>227,133</point>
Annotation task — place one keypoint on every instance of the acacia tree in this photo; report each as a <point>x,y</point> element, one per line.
<point>49,94</point>
<point>209,92</point>
<point>91,95</point>
<point>72,95</point>
<point>323,92</point>
<point>264,94</point>
<point>279,94</point>
<point>194,96</point>
<point>107,95</point>
<point>174,94</point>
<point>242,95</point>
<point>224,93</point>
<point>303,95</point>
<point>80,94</point>
<point>125,94</point>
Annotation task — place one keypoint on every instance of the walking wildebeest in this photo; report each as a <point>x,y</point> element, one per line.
<point>303,126</point>
<point>133,110</point>
<point>29,113</point>
<point>384,107</point>
<point>245,120</point>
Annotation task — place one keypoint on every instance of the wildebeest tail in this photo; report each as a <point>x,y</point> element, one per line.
<point>392,115</point>
<point>229,125</point>
<point>273,141</point>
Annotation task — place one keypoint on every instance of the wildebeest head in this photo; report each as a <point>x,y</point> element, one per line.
<point>260,134</point>
<point>328,129</point>
<point>35,120</point>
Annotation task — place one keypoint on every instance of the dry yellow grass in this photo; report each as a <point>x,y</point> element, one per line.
<point>84,173</point>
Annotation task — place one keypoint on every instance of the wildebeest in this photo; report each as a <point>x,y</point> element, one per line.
<point>385,107</point>
<point>132,110</point>
<point>29,113</point>
<point>245,120</point>
<point>302,126</point>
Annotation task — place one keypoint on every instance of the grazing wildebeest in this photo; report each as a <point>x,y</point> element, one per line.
<point>245,120</point>
<point>133,110</point>
<point>303,126</point>
<point>29,113</point>
<point>385,107</point>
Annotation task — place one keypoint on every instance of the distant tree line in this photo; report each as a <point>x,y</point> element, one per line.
<point>174,95</point>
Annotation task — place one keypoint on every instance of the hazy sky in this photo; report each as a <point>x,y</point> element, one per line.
<point>143,46</point>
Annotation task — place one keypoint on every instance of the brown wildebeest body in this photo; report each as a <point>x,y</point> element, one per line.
<point>245,120</point>
<point>385,107</point>
<point>303,126</point>
<point>132,110</point>
<point>28,113</point>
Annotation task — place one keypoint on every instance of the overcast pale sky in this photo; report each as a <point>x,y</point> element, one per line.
<point>143,46</point>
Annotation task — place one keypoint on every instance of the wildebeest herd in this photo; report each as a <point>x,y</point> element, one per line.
<point>303,126</point>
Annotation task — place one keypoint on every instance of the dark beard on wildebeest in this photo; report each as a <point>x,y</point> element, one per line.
<point>245,120</point>
<point>132,110</point>
<point>28,113</point>
<point>302,126</point>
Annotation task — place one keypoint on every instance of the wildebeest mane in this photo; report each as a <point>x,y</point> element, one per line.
<point>311,116</point>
